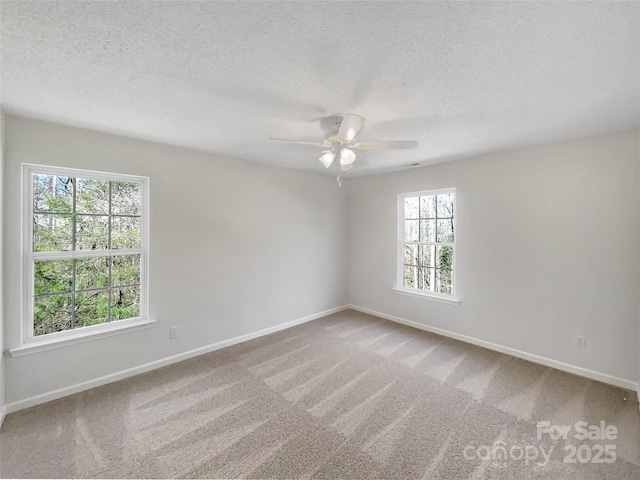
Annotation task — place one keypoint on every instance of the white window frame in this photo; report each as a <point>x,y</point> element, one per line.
<point>31,343</point>
<point>416,292</point>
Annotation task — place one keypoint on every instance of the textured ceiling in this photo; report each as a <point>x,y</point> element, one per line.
<point>462,78</point>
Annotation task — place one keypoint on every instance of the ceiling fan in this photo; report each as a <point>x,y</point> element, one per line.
<point>341,140</point>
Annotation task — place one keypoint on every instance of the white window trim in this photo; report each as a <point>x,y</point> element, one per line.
<point>84,334</point>
<point>436,297</point>
<point>31,344</point>
<point>415,292</point>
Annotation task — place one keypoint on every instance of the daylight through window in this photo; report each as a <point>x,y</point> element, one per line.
<point>427,246</point>
<point>86,249</point>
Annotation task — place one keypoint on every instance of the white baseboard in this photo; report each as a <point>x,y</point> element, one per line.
<point>549,362</point>
<point>3,413</point>
<point>114,377</point>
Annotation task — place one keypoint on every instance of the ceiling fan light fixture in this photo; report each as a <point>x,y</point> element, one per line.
<point>345,167</point>
<point>339,140</point>
<point>347,157</point>
<point>327,159</point>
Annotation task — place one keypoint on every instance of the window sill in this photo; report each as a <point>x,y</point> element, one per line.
<point>427,296</point>
<point>84,335</point>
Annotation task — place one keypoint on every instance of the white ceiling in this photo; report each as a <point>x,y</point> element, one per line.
<point>462,78</point>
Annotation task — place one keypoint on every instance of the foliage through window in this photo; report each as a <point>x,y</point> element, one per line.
<point>427,245</point>
<point>86,249</point>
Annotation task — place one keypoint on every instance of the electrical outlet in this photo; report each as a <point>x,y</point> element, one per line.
<point>173,332</point>
<point>579,341</point>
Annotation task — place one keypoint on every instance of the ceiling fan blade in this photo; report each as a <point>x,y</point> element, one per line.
<point>305,160</point>
<point>394,144</point>
<point>300,142</point>
<point>350,126</point>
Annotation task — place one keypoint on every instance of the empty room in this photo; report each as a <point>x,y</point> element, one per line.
<point>320,239</point>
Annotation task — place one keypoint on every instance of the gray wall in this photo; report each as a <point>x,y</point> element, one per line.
<point>236,247</point>
<point>547,247</point>
<point>2,402</point>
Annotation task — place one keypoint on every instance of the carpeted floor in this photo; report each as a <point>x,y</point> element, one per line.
<point>346,396</point>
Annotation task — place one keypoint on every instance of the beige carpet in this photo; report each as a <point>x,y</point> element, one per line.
<point>346,396</point>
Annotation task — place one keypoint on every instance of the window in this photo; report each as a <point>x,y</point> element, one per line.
<point>427,242</point>
<point>85,252</point>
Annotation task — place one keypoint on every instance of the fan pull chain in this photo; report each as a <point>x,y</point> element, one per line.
<point>339,182</point>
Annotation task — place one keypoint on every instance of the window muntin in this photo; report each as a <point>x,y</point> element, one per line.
<point>427,242</point>
<point>85,246</point>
